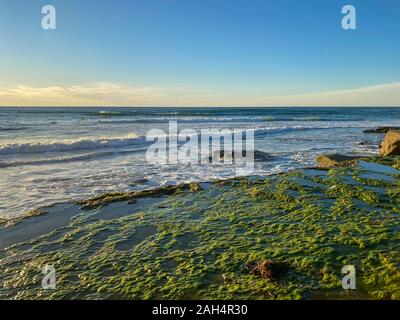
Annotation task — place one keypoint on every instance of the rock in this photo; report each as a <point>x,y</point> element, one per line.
<point>261,156</point>
<point>258,155</point>
<point>381,130</point>
<point>138,182</point>
<point>333,160</point>
<point>391,145</point>
<point>268,269</point>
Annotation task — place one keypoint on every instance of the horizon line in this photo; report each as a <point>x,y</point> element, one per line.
<point>220,107</point>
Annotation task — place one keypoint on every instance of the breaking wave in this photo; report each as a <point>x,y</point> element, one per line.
<point>70,145</point>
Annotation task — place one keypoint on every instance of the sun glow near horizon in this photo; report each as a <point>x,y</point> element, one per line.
<point>110,94</point>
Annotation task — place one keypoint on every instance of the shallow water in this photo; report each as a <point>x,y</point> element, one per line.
<point>60,154</point>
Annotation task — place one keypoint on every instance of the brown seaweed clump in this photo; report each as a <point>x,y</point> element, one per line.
<point>268,269</point>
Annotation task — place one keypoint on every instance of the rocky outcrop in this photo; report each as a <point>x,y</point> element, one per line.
<point>391,145</point>
<point>258,155</point>
<point>334,160</point>
<point>381,130</point>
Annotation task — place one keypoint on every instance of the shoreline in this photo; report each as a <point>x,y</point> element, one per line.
<point>103,173</point>
<point>158,190</point>
<point>40,211</point>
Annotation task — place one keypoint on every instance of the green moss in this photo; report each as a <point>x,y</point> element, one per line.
<point>196,243</point>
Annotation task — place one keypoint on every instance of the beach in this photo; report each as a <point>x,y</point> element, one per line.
<point>210,238</point>
<point>200,241</point>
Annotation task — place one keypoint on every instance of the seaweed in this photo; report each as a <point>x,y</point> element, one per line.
<point>286,236</point>
<point>108,198</point>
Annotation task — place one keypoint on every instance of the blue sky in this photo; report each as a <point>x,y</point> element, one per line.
<point>192,52</point>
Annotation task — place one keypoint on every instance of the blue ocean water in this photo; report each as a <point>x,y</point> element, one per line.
<point>50,155</point>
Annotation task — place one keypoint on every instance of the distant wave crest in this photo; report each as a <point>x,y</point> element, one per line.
<point>12,128</point>
<point>87,144</point>
<point>110,113</point>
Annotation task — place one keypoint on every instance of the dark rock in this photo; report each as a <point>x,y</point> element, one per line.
<point>258,155</point>
<point>391,144</point>
<point>381,130</point>
<point>139,181</point>
<point>262,156</point>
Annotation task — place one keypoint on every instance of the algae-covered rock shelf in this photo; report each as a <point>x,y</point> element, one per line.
<point>200,241</point>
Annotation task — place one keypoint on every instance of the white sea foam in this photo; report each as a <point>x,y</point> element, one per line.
<point>70,145</point>
<point>81,157</point>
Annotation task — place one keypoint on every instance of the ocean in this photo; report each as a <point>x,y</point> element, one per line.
<point>52,155</point>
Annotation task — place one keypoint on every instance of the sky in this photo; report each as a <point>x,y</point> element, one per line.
<point>200,53</point>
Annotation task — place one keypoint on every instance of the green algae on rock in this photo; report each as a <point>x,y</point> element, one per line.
<point>198,245</point>
<point>108,198</point>
<point>12,222</point>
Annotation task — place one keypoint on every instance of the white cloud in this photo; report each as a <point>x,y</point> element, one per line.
<point>95,94</point>
<point>110,94</point>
